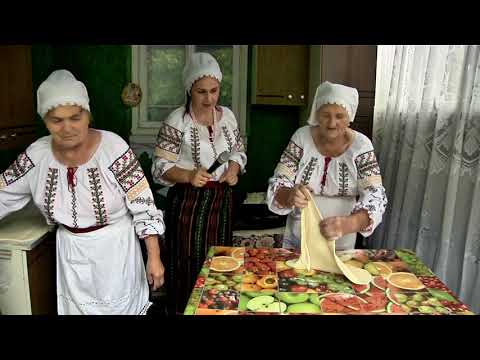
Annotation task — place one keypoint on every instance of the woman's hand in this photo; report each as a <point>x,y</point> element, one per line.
<point>334,227</point>
<point>337,226</point>
<point>155,272</point>
<point>199,177</point>
<point>299,196</point>
<point>231,175</point>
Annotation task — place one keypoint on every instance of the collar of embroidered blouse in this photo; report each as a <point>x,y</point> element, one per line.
<point>199,118</point>
<point>211,128</point>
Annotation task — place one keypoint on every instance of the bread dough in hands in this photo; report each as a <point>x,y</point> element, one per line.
<point>319,253</point>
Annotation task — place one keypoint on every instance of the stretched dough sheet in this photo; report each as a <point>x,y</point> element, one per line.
<point>319,253</point>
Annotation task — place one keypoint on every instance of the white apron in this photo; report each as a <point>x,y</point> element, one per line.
<point>328,206</point>
<point>101,272</point>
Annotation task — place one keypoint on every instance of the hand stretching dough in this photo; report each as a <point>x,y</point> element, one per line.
<point>319,253</point>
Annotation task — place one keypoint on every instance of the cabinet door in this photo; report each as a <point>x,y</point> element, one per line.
<point>17,119</point>
<point>5,118</point>
<point>296,74</point>
<point>270,69</point>
<point>42,277</point>
<point>16,86</point>
<point>280,74</point>
<point>350,65</point>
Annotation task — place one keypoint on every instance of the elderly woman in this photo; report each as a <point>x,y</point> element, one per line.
<point>199,204</point>
<point>337,165</point>
<point>90,184</point>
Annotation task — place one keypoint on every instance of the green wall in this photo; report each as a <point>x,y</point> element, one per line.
<point>270,129</point>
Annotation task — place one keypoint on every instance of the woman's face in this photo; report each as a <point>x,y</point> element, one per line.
<point>332,120</point>
<point>205,93</point>
<point>68,125</point>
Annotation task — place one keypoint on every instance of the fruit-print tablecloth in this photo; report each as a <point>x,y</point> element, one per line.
<point>257,281</point>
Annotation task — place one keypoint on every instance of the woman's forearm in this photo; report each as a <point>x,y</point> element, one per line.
<point>233,167</point>
<point>152,245</point>
<point>177,175</point>
<point>358,221</point>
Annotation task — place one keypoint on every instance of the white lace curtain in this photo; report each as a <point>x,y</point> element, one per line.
<point>427,139</point>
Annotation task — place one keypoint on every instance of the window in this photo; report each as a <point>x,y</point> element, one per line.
<point>158,70</point>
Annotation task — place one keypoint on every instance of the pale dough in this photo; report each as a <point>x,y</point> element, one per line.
<point>319,253</point>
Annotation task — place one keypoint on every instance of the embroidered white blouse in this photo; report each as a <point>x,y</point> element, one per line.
<point>108,186</point>
<point>183,143</point>
<point>354,175</point>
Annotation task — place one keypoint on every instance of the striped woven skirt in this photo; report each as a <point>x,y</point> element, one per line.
<point>196,219</point>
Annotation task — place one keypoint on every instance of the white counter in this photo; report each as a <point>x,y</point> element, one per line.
<point>23,229</point>
<point>21,232</point>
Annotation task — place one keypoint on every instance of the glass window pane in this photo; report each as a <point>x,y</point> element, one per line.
<point>158,114</point>
<point>165,66</point>
<point>224,55</point>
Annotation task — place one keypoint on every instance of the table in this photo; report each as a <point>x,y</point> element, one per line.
<point>257,281</point>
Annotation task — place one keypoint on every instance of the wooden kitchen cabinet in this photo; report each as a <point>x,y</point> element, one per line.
<point>41,265</point>
<point>17,118</point>
<point>280,74</point>
<point>350,65</point>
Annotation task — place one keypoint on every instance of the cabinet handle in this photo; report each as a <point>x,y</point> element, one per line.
<point>13,135</point>
<point>302,97</point>
<point>3,137</point>
<point>290,96</point>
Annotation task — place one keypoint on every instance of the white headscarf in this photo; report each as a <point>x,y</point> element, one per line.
<point>198,66</point>
<point>61,88</point>
<point>328,93</point>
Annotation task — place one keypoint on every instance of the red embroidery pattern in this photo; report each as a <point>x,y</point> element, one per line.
<point>169,139</point>
<point>307,174</point>
<point>228,138</point>
<point>195,139</point>
<point>325,170</point>
<point>20,167</point>
<point>127,170</point>
<point>50,193</point>
<point>98,200</point>
<point>367,165</point>
<point>239,145</point>
<point>291,156</point>
<point>343,179</point>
